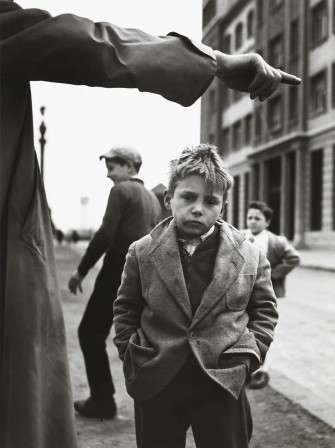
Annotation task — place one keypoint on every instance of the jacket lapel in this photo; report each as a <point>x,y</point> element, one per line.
<point>166,259</point>
<point>229,262</point>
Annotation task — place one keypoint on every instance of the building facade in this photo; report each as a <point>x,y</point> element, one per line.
<point>281,151</point>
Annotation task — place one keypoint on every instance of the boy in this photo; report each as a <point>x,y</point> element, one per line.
<point>282,257</point>
<point>132,211</point>
<point>194,314</point>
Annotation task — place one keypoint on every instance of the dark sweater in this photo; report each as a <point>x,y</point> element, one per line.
<point>198,268</point>
<point>132,212</point>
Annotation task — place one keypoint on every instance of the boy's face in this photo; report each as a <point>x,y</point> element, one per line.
<point>194,207</point>
<point>118,173</point>
<point>256,221</point>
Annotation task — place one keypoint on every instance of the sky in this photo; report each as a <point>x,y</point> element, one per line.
<point>84,122</point>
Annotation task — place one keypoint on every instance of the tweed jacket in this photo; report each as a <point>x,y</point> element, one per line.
<point>155,330</point>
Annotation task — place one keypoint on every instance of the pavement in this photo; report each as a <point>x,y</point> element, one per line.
<point>323,260</point>
<point>296,410</point>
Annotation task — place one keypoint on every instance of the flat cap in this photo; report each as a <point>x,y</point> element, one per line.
<point>125,153</point>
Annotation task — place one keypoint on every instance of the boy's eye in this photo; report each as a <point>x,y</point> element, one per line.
<point>188,197</point>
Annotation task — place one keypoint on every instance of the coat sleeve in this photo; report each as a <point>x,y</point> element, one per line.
<point>288,259</point>
<point>129,303</point>
<point>74,50</point>
<point>262,307</point>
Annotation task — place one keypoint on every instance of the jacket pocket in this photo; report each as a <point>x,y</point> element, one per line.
<point>237,296</point>
<point>137,354</point>
<point>244,351</point>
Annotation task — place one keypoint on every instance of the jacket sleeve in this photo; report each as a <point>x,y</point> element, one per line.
<point>129,303</point>
<point>74,50</point>
<point>288,259</point>
<point>104,237</point>
<point>262,307</point>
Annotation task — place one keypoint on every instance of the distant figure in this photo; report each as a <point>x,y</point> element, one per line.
<point>132,211</point>
<point>59,236</point>
<point>282,257</point>
<point>75,236</point>
<point>194,315</point>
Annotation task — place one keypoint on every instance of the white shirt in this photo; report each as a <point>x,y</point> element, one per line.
<point>261,239</point>
<point>191,245</point>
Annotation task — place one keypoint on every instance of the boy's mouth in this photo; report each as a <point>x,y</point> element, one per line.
<point>194,223</point>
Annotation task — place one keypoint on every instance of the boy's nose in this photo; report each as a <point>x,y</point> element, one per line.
<point>197,209</point>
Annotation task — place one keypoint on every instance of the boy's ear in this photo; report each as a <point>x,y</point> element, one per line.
<point>131,169</point>
<point>167,200</point>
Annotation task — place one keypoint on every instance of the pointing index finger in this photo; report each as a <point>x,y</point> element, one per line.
<point>287,78</point>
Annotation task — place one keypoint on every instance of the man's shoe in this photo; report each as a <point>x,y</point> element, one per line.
<point>258,380</point>
<point>96,408</point>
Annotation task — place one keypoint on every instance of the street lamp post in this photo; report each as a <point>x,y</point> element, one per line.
<point>42,140</point>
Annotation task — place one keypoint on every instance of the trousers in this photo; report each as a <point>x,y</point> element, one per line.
<point>97,322</point>
<point>193,399</point>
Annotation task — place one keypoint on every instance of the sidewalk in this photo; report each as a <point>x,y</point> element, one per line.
<point>318,259</point>
<point>278,421</point>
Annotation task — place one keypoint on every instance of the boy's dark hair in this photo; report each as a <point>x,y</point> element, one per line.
<point>263,207</point>
<point>202,160</point>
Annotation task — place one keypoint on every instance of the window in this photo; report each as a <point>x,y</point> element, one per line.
<point>293,104</point>
<point>275,114</point>
<point>276,52</point>
<point>226,97</point>
<point>258,123</point>
<point>294,39</point>
<point>290,194</point>
<point>236,200</point>
<point>316,189</point>
<point>319,21</point>
<point>237,131</point>
<point>246,193</point>
<point>260,12</point>
<point>226,44</point>
<point>318,96</point>
<point>226,140</point>
<point>212,102</point>
<point>238,36</point>
<point>250,24</point>
<point>247,129</point>
<point>209,12</point>
<point>255,181</point>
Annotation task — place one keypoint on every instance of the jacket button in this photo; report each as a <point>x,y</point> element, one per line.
<point>193,335</point>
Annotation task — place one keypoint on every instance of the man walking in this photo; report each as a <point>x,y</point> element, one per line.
<point>132,211</point>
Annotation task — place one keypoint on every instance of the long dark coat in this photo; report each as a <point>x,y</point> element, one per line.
<point>36,402</point>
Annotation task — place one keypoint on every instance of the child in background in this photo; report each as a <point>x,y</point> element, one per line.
<point>195,314</point>
<point>282,257</point>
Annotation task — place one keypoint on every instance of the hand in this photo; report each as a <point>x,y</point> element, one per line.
<point>75,282</point>
<point>250,73</point>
